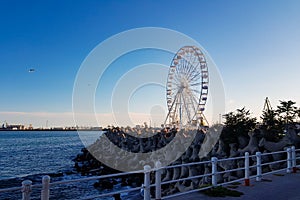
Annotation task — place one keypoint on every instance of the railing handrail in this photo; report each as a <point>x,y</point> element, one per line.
<point>186,164</point>
<point>96,177</point>
<point>10,189</point>
<point>272,153</point>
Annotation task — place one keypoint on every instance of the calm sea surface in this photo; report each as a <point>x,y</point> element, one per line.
<point>25,153</point>
<point>32,154</point>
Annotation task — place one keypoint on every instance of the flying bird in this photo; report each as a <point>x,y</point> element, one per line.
<point>31,70</point>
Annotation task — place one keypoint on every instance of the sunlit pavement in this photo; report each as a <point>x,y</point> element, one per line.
<point>270,188</point>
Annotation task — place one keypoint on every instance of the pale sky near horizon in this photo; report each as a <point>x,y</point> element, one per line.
<point>255,45</point>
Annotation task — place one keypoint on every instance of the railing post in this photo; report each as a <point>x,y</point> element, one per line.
<point>214,170</point>
<point>258,166</point>
<point>289,160</point>
<point>26,189</point>
<point>158,180</point>
<point>147,169</point>
<point>247,180</point>
<point>294,164</point>
<point>45,189</point>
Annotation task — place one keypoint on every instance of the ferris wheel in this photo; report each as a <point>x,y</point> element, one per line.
<point>187,89</point>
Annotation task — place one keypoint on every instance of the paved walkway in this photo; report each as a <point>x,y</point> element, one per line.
<point>285,187</point>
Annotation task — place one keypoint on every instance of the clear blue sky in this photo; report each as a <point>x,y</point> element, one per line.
<point>254,43</point>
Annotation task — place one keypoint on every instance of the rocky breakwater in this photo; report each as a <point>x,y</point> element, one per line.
<point>130,140</point>
<point>130,143</point>
<point>256,141</point>
<point>110,148</point>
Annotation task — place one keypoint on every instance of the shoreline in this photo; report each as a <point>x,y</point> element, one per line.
<point>67,130</point>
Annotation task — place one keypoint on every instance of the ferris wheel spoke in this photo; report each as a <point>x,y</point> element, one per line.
<point>173,88</point>
<point>194,77</point>
<point>183,69</point>
<point>195,84</point>
<point>174,102</point>
<point>177,85</point>
<point>186,108</point>
<point>181,108</point>
<point>186,66</point>
<point>194,108</point>
<point>195,104</point>
<point>192,72</point>
<point>193,100</point>
<point>192,62</point>
<point>196,91</point>
<point>187,63</point>
<point>178,76</point>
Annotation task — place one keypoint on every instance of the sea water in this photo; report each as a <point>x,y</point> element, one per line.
<point>32,154</point>
<point>25,153</point>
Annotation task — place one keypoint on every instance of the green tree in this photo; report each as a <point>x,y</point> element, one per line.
<point>269,118</point>
<point>237,124</point>
<point>272,127</point>
<point>287,112</point>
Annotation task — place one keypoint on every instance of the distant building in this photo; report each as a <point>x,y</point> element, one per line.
<point>10,127</point>
<point>15,127</point>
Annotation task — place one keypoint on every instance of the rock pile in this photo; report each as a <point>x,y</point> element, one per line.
<point>130,141</point>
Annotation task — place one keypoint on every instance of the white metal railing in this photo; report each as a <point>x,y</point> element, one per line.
<point>291,166</point>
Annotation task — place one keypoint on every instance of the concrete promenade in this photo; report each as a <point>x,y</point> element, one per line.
<point>272,187</point>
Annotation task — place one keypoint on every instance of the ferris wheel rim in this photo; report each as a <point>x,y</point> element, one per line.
<point>193,79</point>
